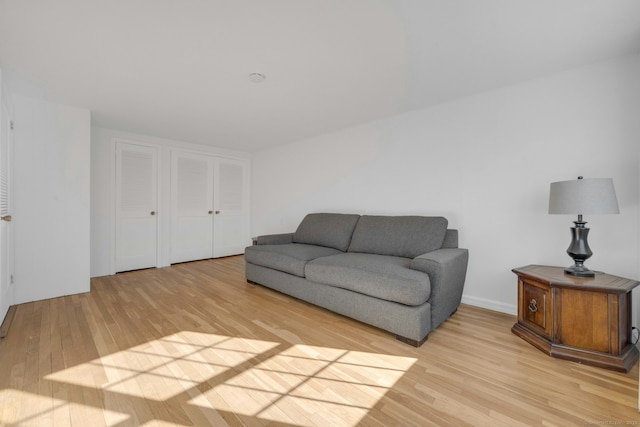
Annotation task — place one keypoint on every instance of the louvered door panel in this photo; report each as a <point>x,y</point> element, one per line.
<point>231,223</point>
<point>136,207</point>
<point>191,207</point>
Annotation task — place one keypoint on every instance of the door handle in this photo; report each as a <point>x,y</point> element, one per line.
<point>210,212</point>
<point>6,218</point>
<point>217,212</point>
<point>153,212</point>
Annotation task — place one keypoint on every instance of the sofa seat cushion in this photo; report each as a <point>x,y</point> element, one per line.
<point>403,236</point>
<point>380,276</point>
<point>290,258</point>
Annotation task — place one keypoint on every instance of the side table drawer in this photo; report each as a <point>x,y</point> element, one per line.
<point>534,311</point>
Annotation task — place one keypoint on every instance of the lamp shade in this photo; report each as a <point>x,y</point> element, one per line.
<point>583,196</point>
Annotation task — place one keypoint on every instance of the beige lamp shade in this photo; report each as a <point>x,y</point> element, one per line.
<point>583,196</point>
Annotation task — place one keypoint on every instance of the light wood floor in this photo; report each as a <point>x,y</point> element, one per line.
<point>194,344</point>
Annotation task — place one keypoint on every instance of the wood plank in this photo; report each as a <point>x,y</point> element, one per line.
<point>194,344</point>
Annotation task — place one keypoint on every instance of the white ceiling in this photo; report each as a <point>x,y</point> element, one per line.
<point>179,69</point>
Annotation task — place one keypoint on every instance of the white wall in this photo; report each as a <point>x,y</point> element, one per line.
<point>484,162</point>
<point>102,211</point>
<point>51,199</point>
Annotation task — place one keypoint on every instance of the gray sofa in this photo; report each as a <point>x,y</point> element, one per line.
<point>403,274</point>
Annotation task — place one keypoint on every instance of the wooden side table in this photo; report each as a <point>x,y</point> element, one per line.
<point>583,319</point>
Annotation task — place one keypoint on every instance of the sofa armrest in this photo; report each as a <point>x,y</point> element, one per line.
<point>450,239</point>
<point>447,270</point>
<point>275,239</point>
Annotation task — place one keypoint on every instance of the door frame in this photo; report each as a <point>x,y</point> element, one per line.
<point>5,102</point>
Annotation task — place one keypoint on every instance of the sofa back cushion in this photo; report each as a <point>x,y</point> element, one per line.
<point>404,236</point>
<point>326,229</point>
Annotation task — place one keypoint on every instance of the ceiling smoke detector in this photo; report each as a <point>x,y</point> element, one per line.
<point>257,77</point>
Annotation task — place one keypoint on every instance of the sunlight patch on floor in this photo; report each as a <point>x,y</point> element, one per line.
<point>21,408</point>
<point>210,375</point>
<point>305,385</point>
<point>164,368</point>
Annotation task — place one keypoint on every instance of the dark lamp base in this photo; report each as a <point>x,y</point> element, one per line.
<point>579,250</point>
<point>579,270</point>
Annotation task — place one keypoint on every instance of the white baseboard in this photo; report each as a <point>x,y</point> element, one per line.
<point>490,304</point>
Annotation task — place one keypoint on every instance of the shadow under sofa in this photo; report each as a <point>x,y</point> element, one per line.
<point>403,274</point>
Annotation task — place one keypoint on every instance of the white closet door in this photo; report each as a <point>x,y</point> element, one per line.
<point>191,207</point>
<point>136,207</point>
<point>231,202</point>
<point>6,240</point>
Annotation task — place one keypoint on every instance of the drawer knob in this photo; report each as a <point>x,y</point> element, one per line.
<point>533,305</point>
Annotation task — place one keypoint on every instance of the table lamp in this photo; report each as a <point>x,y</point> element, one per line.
<point>582,196</point>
